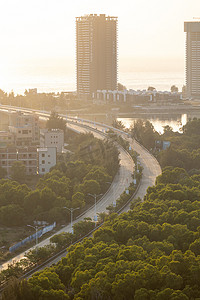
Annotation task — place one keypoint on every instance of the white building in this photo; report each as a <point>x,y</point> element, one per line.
<point>52,138</point>
<point>46,159</point>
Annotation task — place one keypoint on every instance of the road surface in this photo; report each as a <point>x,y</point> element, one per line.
<point>121,181</point>
<point>151,169</point>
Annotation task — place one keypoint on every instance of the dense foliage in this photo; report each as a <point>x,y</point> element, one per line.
<point>55,122</point>
<point>152,252</point>
<point>92,165</point>
<point>184,151</point>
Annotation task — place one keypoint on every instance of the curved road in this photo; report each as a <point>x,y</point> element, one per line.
<point>151,169</point>
<point>119,184</point>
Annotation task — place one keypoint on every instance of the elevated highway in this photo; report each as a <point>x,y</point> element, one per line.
<point>151,169</point>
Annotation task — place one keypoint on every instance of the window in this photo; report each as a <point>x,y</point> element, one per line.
<point>43,162</point>
<point>43,154</point>
<point>24,131</point>
<point>48,162</point>
<point>43,169</point>
<point>49,155</point>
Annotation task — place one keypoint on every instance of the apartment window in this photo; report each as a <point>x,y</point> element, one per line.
<point>30,155</point>
<point>49,155</point>
<point>43,169</point>
<point>43,162</point>
<point>19,131</point>
<point>43,154</point>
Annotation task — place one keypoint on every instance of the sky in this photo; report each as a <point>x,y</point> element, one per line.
<point>38,37</point>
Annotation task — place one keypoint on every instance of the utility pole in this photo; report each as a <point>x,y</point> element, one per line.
<point>71,212</point>
<point>36,234</point>
<point>95,205</point>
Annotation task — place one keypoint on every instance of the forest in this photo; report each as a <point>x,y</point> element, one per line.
<point>184,151</point>
<point>88,169</point>
<point>151,252</point>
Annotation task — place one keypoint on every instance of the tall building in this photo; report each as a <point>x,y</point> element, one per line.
<point>96,49</point>
<point>192,30</point>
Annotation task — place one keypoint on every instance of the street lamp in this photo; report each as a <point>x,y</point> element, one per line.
<point>95,205</point>
<point>71,210</point>
<point>36,235</point>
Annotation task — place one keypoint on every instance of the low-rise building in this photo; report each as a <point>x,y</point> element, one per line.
<point>36,160</point>
<point>6,139</point>
<point>52,138</point>
<point>136,97</point>
<point>25,128</point>
<point>46,159</point>
<point>27,155</point>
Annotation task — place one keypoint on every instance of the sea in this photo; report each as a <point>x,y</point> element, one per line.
<point>54,82</point>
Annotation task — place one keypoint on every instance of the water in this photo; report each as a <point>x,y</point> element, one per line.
<point>175,122</point>
<point>54,82</point>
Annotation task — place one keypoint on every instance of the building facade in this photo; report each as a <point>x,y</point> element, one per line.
<point>192,30</point>
<point>136,97</point>
<point>25,128</point>
<point>96,50</point>
<point>46,159</point>
<point>36,160</point>
<point>52,138</point>
<point>6,139</point>
<point>27,155</point>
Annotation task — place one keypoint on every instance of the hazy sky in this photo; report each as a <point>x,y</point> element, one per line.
<point>39,35</point>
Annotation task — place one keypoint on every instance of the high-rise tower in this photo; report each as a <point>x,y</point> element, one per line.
<point>192,30</point>
<point>96,50</point>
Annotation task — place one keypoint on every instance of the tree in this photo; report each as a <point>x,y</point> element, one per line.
<point>90,186</point>
<point>11,215</point>
<point>174,89</point>
<point>47,198</point>
<point>2,172</point>
<point>151,88</point>
<point>118,124</point>
<point>56,122</point>
<point>31,201</point>
<point>18,171</point>
<point>78,200</point>
<point>121,87</point>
